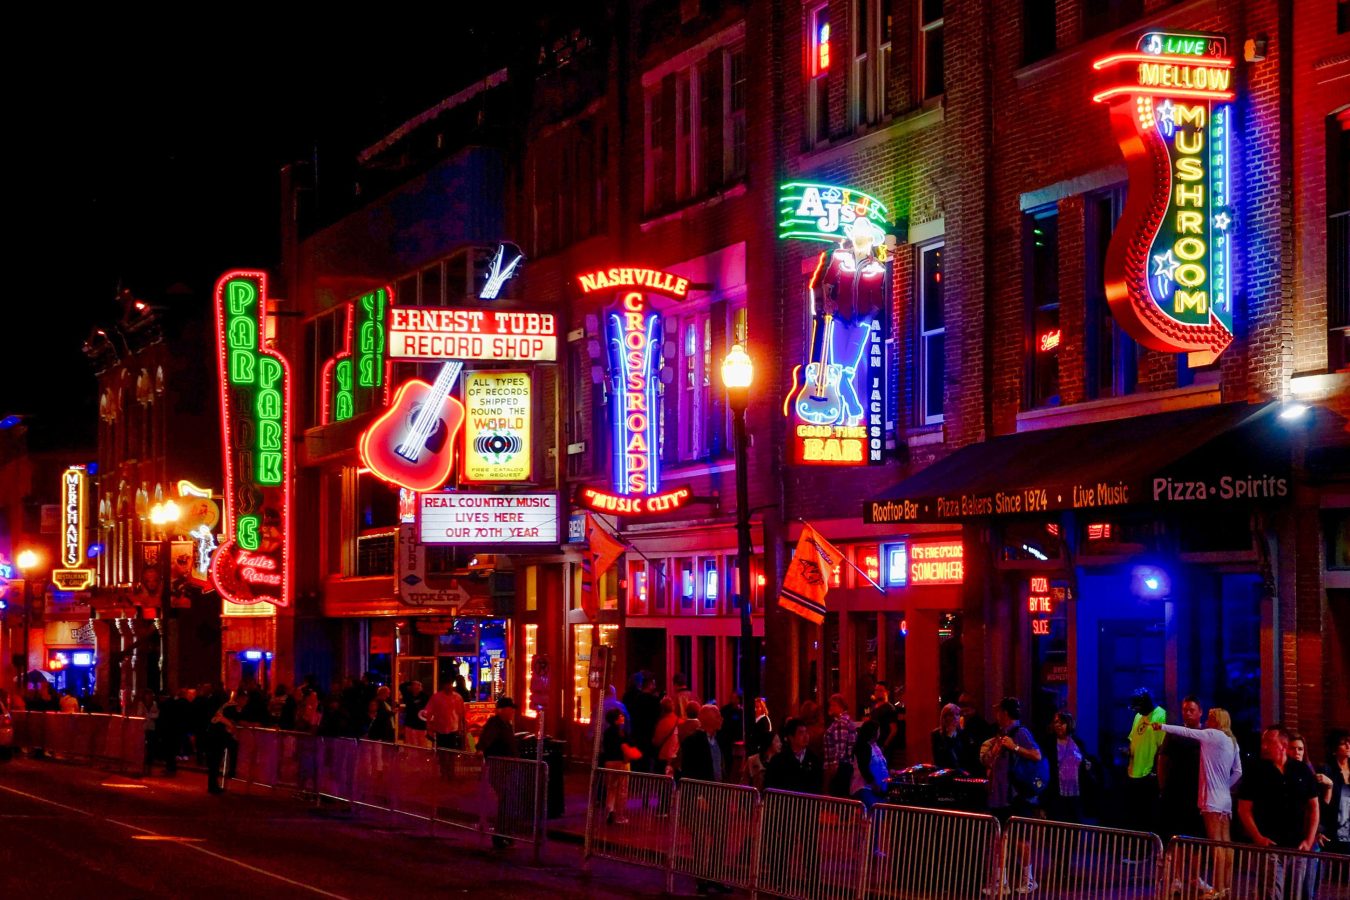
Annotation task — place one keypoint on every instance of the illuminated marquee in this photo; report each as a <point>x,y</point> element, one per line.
<point>73,496</point>
<point>936,562</point>
<point>621,277</point>
<point>454,517</point>
<point>253,563</point>
<point>618,505</point>
<point>422,333</point>
<point>497,413</point>
<point>1169,264</point>
<point>823,212</point>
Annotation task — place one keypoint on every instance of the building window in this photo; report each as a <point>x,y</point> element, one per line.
<point>580,389</point>
<point>1040,241</point>
<point>818,91</point>
<point>1338,238</point>
<point>1038,29</point>
<point>737,155</point>
<point>375,526</point>
<point>1101,16</point>
<point>895,570</point>
<point>932,356</point>
<point>638,596</point>
<point>871,61</point>
<point>1110,355</point>
<point>688,586</point>
<point>711,590</point>
<point>696,137</point>
<point>930,48</point>
<point>1342,16</point>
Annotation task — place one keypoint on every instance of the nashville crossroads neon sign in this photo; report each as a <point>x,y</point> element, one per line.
<point>633,333</point>
<point>1169,263</point>
<point>253,563</point>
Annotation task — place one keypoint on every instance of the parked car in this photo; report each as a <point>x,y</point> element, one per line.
<point>6,732</point>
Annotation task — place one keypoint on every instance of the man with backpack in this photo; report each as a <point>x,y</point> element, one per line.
<point>1018,774</point>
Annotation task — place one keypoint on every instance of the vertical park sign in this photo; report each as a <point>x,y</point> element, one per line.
<point>253,562</point>
<point>1169,265</point>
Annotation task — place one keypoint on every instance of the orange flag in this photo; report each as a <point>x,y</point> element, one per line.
<point>808,576</point>
<point>602,551</point>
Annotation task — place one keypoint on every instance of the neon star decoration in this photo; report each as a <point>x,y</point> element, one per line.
<point>253,563</point>
<point>1169,264</point>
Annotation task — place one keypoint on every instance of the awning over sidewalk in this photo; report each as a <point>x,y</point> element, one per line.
<point>1231,453</point>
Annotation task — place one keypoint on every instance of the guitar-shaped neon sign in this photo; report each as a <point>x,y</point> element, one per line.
<point>820,401</point>
<point>496,276</point>
<point>413,444</point>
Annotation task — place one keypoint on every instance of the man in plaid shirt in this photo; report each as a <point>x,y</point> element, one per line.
<point>839,739</point>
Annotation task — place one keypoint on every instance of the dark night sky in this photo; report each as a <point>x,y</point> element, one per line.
<point>153,161</point>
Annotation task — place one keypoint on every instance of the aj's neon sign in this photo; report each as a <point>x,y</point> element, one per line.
<point>824,212</point>
<point>1169,264</point>
<point>253,563</point>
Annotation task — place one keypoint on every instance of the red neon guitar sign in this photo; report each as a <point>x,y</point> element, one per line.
<point>412,444</point>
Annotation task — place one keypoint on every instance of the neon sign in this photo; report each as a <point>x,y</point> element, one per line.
<point>653,280</point>
<point>252,565</point>
<point>497,413</point>
<point>72,516</point>
<point>824,212</point>
<point>936,562</point>
<point>1049,340</point>
<point>498,273</point>
<point>370,312</point>
<point>837,403</point>
<point>454,517</point>
<point>634,334</point>
<point>423,333</point>
<point>615,504</point>
<point>1169,264</point>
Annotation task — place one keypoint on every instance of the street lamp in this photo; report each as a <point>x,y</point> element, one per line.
<point>164,516</point>
<point>27,561</point>
<point>738,372</point>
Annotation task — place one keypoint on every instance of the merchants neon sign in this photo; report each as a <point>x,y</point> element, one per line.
<point>253,563</point>
<point>1169,264</point>
<point>73,499</point>
<point>824,212</point>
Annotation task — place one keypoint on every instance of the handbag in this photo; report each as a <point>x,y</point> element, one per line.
<point>630,753</point>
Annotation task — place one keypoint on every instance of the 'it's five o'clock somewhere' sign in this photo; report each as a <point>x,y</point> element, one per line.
<point>1169,265</point>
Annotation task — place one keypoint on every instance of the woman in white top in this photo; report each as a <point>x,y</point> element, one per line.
<point>1220,769</point>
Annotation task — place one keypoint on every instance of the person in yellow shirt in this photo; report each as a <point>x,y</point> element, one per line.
<point>1141,791</point>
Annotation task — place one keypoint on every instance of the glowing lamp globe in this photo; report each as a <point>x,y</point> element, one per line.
<point>26,560</point>
<point>738,371</point>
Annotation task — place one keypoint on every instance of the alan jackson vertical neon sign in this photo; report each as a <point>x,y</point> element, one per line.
<point>837,403</point>
<point>1169,264</point>
<point>253,563</point>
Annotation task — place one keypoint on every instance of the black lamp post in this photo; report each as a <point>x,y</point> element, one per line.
<point>27,562</point>
<point>738,372</point>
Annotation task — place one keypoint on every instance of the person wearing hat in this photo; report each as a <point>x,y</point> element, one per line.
<point>498,739</point>
<point>1142,787</point>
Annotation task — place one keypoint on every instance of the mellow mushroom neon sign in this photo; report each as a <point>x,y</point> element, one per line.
<point>1169,264</point>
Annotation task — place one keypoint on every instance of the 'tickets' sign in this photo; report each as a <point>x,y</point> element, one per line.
<point>253,563</point>
<point>453,517</point>
<point>497,415</point>
<point>633,335</point>
<point>1169,264</point>
<point>501,335</point>
<point>936,562</point>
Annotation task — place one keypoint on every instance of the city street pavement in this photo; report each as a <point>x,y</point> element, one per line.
<point>69,830</point>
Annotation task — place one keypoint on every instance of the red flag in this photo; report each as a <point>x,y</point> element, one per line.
<point>808,576</point>
<point>602,551</point>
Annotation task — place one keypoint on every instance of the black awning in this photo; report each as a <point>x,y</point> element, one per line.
<point>1234,452</point>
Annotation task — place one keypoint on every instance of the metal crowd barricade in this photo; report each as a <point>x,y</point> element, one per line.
<point>28,729</point>
<point>519,789</point>
<point>716,833</point>
<point>266,760</point>
<point>1194,867</point>
<point>641,828</point>
<point>940,854</point>
<point>245,754</point>
<point>811,847</point>
<point>297,763</point>
<point>377,776</point>
<point>455,787</point>
<point>337,768</point>
<point>1077,861</point>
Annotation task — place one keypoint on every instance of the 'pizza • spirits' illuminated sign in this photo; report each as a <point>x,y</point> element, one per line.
<point>823,212</point>
<point>633,335</point>
<point>1169,264</point>
<point>498,410</point>
<point>429,333</point>
<point>253,563</point>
